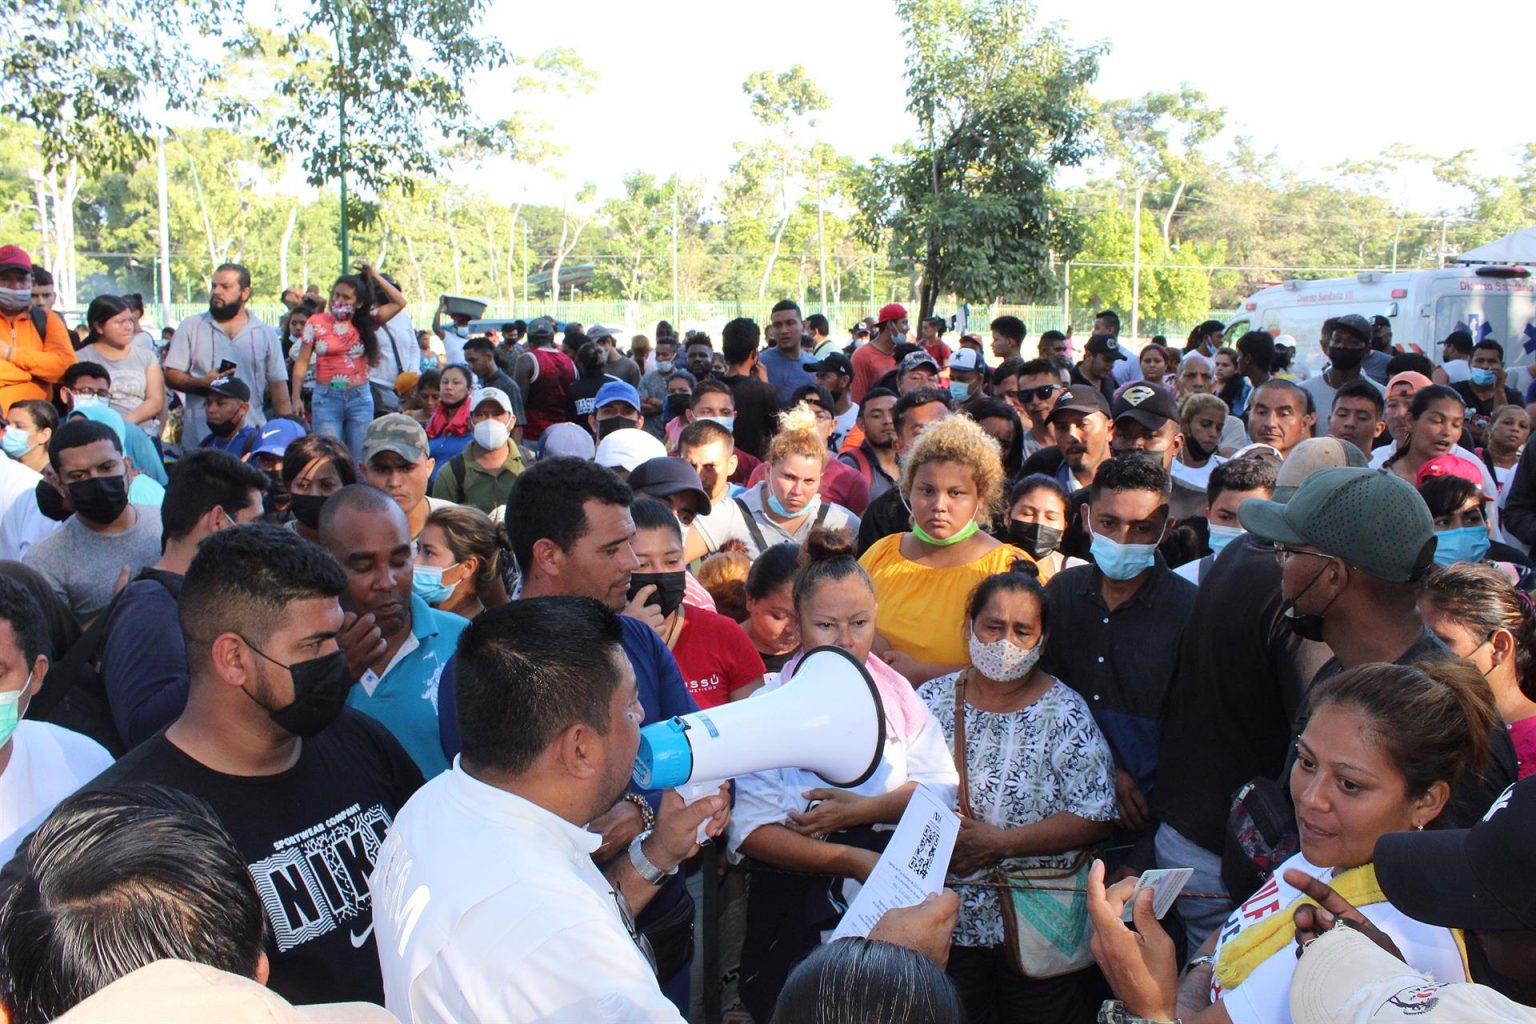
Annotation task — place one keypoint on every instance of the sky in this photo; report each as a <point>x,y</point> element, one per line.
<point>669,98</point>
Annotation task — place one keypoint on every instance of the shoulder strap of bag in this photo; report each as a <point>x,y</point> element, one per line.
<point>457,465</point>
<point>40,322</point>
<point>752,527</point>
<point>963,791</point>
<point>821,515</point>
<point>863,465</point>
<point>399,364</point>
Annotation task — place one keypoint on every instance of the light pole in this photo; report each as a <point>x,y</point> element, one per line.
<point>341,132</point>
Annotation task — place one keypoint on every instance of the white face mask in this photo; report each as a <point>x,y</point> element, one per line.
<point>491,434</point>
<point>1002,660</point>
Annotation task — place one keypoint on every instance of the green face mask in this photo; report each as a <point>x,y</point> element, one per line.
<point>10,711</point>
<point>965,534</point>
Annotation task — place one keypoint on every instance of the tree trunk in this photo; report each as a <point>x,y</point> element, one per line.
<point>1178,194</point>
<point>202,205</point>
<point>493,258</point>
<point>421,282</point>
<point>511,254</point>
<point>453,242</point>
<point>282,252</point>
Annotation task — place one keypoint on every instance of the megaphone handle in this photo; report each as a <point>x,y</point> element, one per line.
<point>694,791</point>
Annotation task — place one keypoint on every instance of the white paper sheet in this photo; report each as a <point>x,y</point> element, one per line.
<point>913,865</point>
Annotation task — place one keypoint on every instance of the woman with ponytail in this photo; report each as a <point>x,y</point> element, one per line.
<point>1381,752</point>
<point>813,845</point>
<point>343,340</point>
<point>1481,616</point>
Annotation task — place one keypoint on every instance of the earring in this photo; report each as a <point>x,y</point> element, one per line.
<point>1418,828</point>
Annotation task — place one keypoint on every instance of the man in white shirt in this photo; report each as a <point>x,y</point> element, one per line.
<point>399,351</point>
<point>488,904</point>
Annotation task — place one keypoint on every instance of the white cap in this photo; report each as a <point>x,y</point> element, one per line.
<point>1345,978</point>
<point>178,992</point>
<point>479,398</point>
<point>966,359</point>
<point>625,449</point>
<point>568,439</point>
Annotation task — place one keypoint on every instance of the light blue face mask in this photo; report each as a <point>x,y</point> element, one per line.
<point>1122,561</point>
<point>959,390</point>
<point>1221,536</point>
<point>88,402</point>
<point>427,583</point>
<point>10,710</point>
<point>15,443</point>
<point>779,510</point>
<point>1483,378</point>
<point>1468,544</point>
<point>728,422</point>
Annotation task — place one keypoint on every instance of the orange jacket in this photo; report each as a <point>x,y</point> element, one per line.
<point>29,365</point>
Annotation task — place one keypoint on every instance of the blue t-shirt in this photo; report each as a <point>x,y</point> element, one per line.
<point>234,444</point>
<point>405,699</point>
<point>785,374</point>
<point>144,659</point>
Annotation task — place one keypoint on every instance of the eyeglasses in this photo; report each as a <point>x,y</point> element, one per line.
<point>1284,554</point>
<point>1039,394</point>
<point>93,392</point>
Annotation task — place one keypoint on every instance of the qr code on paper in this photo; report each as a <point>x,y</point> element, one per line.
<point>927,846</point>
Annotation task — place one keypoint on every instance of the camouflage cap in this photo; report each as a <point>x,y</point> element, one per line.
<point>396,433</point>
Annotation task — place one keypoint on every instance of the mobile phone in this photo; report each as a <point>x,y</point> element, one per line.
<point>227,366</point>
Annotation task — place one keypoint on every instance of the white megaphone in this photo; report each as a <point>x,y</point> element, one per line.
<point>827,718</point>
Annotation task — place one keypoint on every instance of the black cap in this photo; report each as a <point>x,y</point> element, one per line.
<point>231,387</point>
<point>1483,877</point>
<point>1079,398</point>
<point>1355,324</point>
<point>832,362</point>
<point>666,475</point>
<point>1105,345</point>
<point>1151,405</point>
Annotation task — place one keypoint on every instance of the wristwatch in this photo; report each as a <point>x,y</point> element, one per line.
<point>642,864</point>
<point>1113,1012</point>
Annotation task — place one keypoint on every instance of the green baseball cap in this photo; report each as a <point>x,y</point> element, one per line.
<point>396,433</point>
<point>1371,519</point>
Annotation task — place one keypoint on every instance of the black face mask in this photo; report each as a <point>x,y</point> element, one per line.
<point>50,502</point>
<point>306,509</point>
<point>670,587</point>
<point>224,313</point>
<point>612,423</point>
<point>1308,627</point>
<point>1036,538</point>
<point>320,688</point>
<point>678,404</point>
<point>1197,451</point>
<point>1346,360</point>
<point>100,499</point>
<point>222,430</point>
<point>275,489</point>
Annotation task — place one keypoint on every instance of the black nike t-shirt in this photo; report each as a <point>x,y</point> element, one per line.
<point>310,836</point>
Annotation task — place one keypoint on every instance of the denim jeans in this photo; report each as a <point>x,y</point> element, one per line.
<point>1201,917</point>
<point>343,413</point>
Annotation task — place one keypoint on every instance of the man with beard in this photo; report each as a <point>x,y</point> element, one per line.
<point>226,339</point>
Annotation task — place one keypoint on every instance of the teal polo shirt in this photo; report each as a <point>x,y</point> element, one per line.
<point>404,698</point>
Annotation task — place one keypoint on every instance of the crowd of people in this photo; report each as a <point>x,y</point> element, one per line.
<point>325,646</point>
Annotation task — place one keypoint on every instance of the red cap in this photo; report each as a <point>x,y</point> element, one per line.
<point>889,312</point>
<point>1450,465</point>
<point>14,256</point>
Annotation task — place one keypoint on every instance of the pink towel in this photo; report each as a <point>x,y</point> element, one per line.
<point>905,714</point>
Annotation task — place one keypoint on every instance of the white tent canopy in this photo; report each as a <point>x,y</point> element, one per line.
<point>1519,247</point>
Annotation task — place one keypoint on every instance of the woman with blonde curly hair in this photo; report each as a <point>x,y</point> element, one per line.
<point>952,481</point>
<point>786,506</point>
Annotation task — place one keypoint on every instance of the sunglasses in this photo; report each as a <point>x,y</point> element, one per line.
<point>1039,394</point>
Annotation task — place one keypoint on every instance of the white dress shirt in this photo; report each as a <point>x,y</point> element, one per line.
<point>489,908</point>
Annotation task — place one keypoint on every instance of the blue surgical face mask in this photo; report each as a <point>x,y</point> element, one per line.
<point>88,402</point>
<point>462,330</point>
<point>779,510</point>
<point>1483,378</point>
<point>15,443</point>
<point>959,390</point>
<point>1221,536</point>
<point>728,422</point>
<point>427,583</point>
<point>664,366</point>
<point>1468,544</point>
<point>1122,561</point>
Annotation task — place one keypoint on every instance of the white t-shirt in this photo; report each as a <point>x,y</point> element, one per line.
<point>48,762</point>
<point>16,480</point>
<point>22,526</point>
<point>396,336</point>
<point>1457,370</point>
<point>488,908</point>
<point>1264,998</point>
<point>842,425</point>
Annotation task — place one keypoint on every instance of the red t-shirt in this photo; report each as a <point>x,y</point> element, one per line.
<point>869,365</point>
<point>715,657</point>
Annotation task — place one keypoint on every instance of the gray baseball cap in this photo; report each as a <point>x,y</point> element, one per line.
<point>1311,456</point>
<point>1371,519</point>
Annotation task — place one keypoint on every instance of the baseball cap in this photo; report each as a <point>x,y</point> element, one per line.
<point>966,359</point>
<point>1311,455</point>
<point>396,433</point>
<point>1481,877</point>
<point>569,439</point>
<point>1450,465</point>
<point>541,327</point>
<point>861,330</point>
<point>832,362</point>
<point>919,358</point>
<point>1345,978</point>
<point>1285,341</point>
<point>627,448</point>
<point>231,387</point>
<point>1355,324</point>
<point>1079,398</point>
<point>1148,404</point>
<point>1415,380</point>
<point>13,257</point>
<point>479,398</point>
<point>891,311</point>
<point>276,436</point>
<point>669,475</point>
<point>1105,345</point>
<point>598,332</point>
<point>617,391</point>
<point>179,992</point>
<point>1371,519</point>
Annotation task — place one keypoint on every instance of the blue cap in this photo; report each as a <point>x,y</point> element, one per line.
<point>276,436</point>
<point>665,757</point>
<point>617,391</point>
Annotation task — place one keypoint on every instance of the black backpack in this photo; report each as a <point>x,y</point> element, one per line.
<point>74,693</point>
